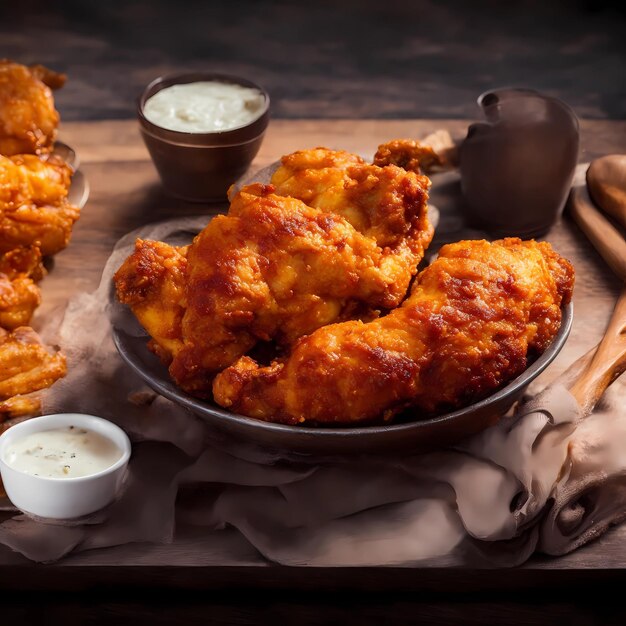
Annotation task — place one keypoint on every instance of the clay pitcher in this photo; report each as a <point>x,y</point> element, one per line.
<point>517,167</point>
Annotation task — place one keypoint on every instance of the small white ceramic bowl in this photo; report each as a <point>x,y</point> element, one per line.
<point>64,498</point>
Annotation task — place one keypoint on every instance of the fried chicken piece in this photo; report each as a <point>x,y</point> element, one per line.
<point>273,268</point>
<point>26,364</point>
<point>34,209</point>
<point>409,155</point>
<point>373,199</point>
<point>28,119</point>
<point>50,78</point>
<point>18,300</point>
<point>19,296</point>
<point>19,406</point>
<point>473,319</point>
<point>23,261</point>
<point>152,283</point>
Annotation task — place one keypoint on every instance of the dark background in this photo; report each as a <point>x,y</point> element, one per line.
<point>356,58</point>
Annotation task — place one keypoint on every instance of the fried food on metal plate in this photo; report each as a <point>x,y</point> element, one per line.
<point>34,209</point>
<point>151,282</point>
<point>28,119</point>
<point>473,319</point>
<point>409,155</point>
<point>22,261</point>
<point>272,269</point>
<point>35,218</point>
<point>379,202</point>
<point>19,295</point>
<point>18,300</point>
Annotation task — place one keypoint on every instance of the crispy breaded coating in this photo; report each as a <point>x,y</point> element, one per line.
<point>19,295</point>
<point>472,321</point>
<point>152,283</point>
<point>18,406</point>
<point>28,119</point>
<point>34,209</point>
<point>26,364</point>
<point>272,269</point>
<point>376,201</point>
<point>409,155</point>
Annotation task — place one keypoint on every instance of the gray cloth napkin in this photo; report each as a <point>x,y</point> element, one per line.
<point>546,478</point>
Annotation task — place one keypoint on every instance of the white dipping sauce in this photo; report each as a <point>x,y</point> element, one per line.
<point>204,107</point>
<point>67,452</point>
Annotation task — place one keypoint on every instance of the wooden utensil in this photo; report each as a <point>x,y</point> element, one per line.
<point>606,179</point>
<point>606,239</point>
<point>609,359</point>
<point>607,363</point>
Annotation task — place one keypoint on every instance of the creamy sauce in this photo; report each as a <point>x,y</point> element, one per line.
<point>204,107</point>
<point>67,452</point>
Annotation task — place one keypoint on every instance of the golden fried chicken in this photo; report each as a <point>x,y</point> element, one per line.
<point>27,365</point>
<point>273,268</point>
<point>19,296</point>
<point>18,406</point>
<point>378,201</point>
<point>22,262</point>
<point>152,283</point>
<point>34,209</point>
<point>18,300</point>
<point>28,119</point>
<point>472,321</point>
<point>409,155</point>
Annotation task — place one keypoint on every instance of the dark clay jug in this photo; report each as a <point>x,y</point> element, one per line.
<point>517,167</point>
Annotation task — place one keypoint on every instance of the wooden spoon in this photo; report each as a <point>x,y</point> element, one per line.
<point>606,239</point>
<point>607,363</point>
<point>606,179</point>
<point>609,359</point>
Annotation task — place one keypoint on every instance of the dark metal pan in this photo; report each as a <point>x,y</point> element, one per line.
<point>233,431</point>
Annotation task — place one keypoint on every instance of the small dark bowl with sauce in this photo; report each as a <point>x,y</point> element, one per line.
<point>200,167</point>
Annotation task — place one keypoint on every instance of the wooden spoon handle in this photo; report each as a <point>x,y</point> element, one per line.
<point>608,362</point>
<point>606,180</point>
<point>607,240</point>
<point>609,359</point>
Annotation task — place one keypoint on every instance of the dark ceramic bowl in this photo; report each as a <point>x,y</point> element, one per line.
<point>244,435</point>
<point>200,167</point>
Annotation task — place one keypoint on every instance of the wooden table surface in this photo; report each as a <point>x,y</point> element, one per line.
<point>125,193</point>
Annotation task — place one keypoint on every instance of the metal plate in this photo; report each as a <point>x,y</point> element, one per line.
<point>236,432</point>
<point>79,187</point>
<point>314,444</point>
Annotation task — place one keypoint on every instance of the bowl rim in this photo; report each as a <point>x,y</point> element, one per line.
<point>86,420</point>
<point>168,389</point>
<point>218,138</point>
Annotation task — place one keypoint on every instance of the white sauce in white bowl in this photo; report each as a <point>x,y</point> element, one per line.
<point>68,452</point>
<point>51,470</point>
<point>204,107</point>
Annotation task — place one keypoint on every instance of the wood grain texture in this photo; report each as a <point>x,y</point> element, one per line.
<point>606,364</point>
<point>604,236</point>
<point>125,193</point>
<point>606,179</point>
